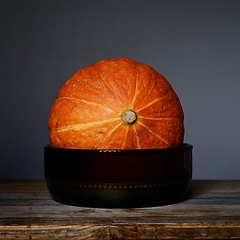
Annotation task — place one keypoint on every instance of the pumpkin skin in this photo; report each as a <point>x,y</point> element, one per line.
<point>116,104</point>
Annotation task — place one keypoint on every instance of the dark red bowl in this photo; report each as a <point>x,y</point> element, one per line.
<point>118,178</point>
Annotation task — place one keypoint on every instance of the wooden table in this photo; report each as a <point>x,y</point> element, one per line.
<point>212,211</point>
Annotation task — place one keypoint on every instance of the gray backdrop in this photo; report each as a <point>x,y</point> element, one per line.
<point>194,44</point>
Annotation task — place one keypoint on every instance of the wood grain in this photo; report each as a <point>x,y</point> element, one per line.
<point>211,211</point>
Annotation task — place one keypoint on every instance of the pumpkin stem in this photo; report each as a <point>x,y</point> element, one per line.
<point>129,117</point>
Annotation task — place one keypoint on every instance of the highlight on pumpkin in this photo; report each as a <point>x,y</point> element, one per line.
<point>116,104</point>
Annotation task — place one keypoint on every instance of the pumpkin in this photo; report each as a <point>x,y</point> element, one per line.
<point>116,103</point>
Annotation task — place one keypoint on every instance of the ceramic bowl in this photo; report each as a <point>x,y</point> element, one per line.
<point>118,178</point>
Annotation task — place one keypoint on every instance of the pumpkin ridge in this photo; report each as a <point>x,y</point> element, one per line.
<point>108,134</point>
<point>158,119</point>
<point>87,102</point>
<point>112,92</point>
<point>125,137</point>
<point>137,138</point>
<point>81,126</point>
<point>151,103</point>
<point>136,89</point>
<point>148,129</point>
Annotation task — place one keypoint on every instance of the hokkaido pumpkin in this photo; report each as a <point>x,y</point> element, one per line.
<point>116,104</point>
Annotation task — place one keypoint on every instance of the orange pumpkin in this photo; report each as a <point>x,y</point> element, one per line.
<point>116,104</point>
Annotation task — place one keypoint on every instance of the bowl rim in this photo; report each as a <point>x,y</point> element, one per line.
<point>184,147</point>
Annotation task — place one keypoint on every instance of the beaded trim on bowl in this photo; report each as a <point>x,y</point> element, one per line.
<point>117,185</point>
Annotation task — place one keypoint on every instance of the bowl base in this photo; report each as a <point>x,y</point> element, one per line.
<point>117,195</point>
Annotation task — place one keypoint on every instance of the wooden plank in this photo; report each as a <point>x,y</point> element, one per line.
<point>212,210</point>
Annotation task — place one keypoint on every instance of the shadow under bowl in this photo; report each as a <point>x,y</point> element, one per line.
<point>118,178</point>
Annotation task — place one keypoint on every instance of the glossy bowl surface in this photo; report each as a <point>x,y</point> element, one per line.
<point>118,178</point>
